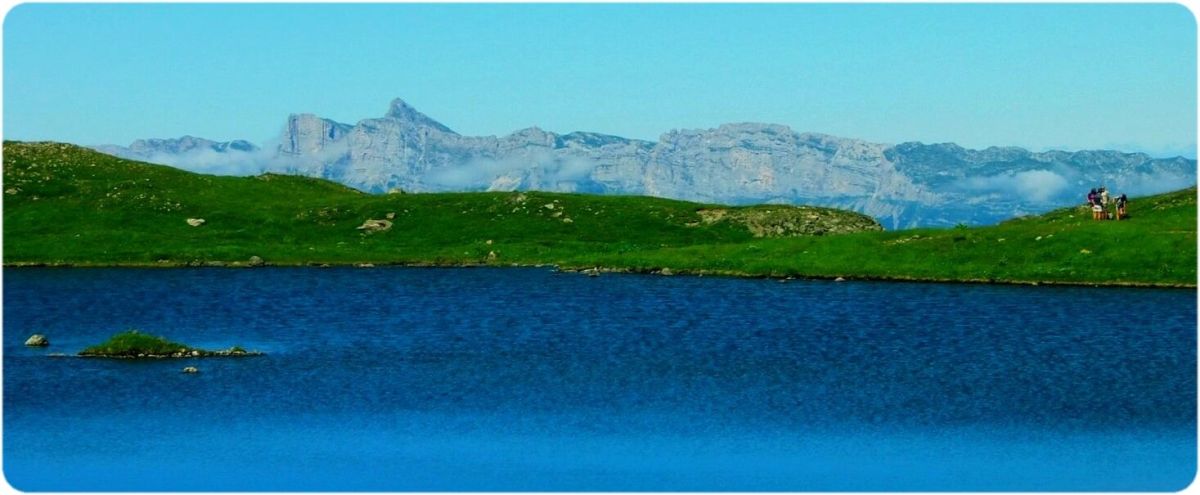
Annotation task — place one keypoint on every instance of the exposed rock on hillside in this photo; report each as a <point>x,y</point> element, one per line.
<point>790,221</point>
<point>371,226</point>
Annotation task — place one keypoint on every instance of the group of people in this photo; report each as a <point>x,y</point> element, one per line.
<point>1098,200</point>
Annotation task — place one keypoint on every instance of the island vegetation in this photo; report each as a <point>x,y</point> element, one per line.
<point>135,344</point>
<point>69,206</point>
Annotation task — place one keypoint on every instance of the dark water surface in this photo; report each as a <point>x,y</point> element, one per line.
<point>521,379</point>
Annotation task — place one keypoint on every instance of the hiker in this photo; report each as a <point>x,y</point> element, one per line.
<point>1094,203</point>
<point>1121,202</point>
<point>1103,196</point>
<point>1091,201</point>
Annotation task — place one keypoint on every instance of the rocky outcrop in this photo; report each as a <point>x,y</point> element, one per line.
<point>37,340</point>
<point>195,222</point>
<point>371,226</point>
<point>910,184</point>
<point>790,221</point>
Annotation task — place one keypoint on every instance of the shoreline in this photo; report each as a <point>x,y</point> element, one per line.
<point>606,269</point>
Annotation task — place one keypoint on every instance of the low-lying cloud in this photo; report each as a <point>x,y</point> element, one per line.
<point>236,162</point>
<point>1064,186</point>
<point>209,161</point>
<point>536,170</point>
<point>1033,185</point>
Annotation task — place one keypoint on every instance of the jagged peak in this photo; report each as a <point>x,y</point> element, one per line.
<point>399,110</point>
<point>532,131</point>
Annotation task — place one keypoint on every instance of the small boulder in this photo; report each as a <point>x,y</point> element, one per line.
<point>190,369</point>
<point>592,272</point>
<point>391,215</point>
<point>37,340</point>
<point>666,271</point>
<point>371,226</point>
<point>839,279</point>
<point>195,222</point>
<point>491,256</point>
<point>256,261</point>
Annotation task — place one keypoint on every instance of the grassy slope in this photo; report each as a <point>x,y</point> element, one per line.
<point>1156,246</point>
<point>74,206</point>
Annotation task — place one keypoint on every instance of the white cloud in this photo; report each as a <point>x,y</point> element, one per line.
<point>536,170</point>
<point>1032,185</point>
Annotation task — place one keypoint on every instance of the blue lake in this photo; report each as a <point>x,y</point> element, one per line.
<point>401,379</point>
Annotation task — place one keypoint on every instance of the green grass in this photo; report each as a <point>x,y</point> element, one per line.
<point>132,343</point>
<point>72,206</point>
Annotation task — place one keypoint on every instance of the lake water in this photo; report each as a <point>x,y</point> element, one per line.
<point>522,379</point>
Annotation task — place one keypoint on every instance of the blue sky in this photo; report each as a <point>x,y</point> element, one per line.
<point>1038,76</point>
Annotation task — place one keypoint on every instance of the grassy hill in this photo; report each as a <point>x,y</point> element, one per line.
<point>68,205</point>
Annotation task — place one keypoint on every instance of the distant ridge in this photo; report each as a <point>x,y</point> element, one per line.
<point>903,185</point>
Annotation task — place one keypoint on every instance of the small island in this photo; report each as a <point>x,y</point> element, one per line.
<point>133,344</point>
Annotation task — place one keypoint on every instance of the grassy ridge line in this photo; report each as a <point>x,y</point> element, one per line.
<point>77,207</point>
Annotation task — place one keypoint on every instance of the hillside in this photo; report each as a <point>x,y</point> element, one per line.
<point>68,205</point>
<point>1155,246</point>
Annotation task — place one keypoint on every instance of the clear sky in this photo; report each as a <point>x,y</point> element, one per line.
<point>1038,76</point>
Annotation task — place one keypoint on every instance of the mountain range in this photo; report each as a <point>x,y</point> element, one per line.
<point>903,185</point>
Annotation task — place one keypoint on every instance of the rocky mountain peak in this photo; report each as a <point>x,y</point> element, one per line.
<point>399,110</point>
